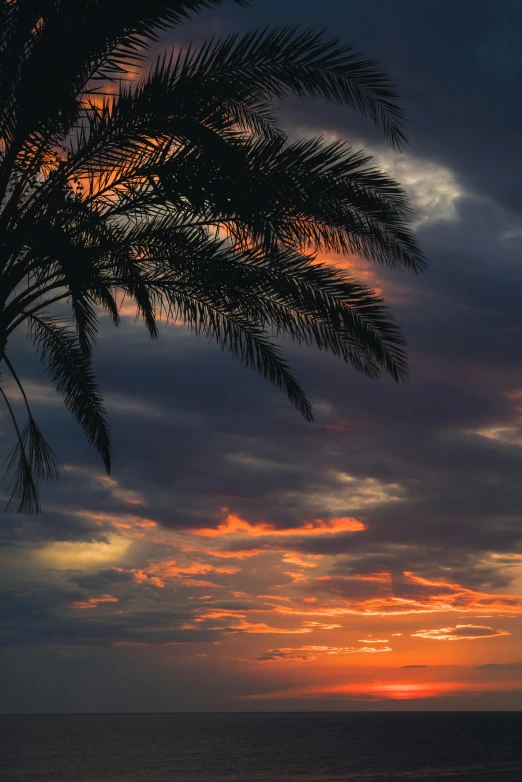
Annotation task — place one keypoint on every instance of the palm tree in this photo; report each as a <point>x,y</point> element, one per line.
<point>180,191</point>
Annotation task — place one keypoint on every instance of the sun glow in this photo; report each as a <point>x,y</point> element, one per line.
<point>380,691</point>
<point>67,555</point>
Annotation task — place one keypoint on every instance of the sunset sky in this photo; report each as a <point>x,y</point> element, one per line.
<point>240,558</point>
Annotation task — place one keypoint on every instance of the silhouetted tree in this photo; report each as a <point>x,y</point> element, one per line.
<point>181,191</point>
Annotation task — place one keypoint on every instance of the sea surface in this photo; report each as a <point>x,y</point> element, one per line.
<point>283,747</point>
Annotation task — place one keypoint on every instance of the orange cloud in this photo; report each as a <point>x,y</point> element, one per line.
<point>282,597</point>
<point>234,524</point>
<point>94,602</point>
<point>422,596</point>
<point>236,621</point>
<point>382,576</point>
<point>131,526</point>
<point>261,628</point>
<point>301,560</point>
<point>353,264</point>
<point>241,554</point>
<point>171,570</point>
<point>321,626</point>
<point>297,576</point>
<point>461,633</point>
<point>200,583</point>
<point>135,525</point>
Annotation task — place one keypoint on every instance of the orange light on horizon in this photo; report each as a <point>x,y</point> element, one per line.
<point>381,691</point>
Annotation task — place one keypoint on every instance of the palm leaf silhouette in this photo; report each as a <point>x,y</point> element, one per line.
<point>181,191</point>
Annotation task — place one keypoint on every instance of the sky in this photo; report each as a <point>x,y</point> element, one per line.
<point>242,559</point>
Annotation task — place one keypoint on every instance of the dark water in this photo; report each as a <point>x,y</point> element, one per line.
<point>262,748</point>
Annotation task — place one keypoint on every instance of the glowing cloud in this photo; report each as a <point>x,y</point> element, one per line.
<point>94,602</point>
<point>257,628</point>
<point>158,573</point>
<point>234,524</point>
<point>229,620</point>
<point>82,555</point>
<point>306,560</point>
<point>434,189</point>
<point>409,594</point>
<point>461,633</point>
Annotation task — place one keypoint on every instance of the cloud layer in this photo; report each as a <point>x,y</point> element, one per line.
<point>233,533</point>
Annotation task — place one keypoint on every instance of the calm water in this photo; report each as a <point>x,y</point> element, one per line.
<point>262,748</point>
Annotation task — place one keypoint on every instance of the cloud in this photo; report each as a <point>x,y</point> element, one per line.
<point>232,621</point>
<point>172,570</point>
<point>260,628</point>
<point>461,633</point>
<point>407,593</point>
<point>430,470</point>
<point>103,578</point>
<point>284,655</point>
<point>303,653</point>
<point>45,616</point>
<point>94,602</point>
<point>78,554</point>
<point>233,525</point>
<point>100,482</point>
<point>126,405</point>
<point>433,189</point>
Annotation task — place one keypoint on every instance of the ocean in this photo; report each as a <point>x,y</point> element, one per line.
<point>282,747</point>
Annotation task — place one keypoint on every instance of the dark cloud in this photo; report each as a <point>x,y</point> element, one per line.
<point>103,579</point>
<point>41,616</point>
<point>457,80</point>
<point>276,655</point>
<point>194,432</point>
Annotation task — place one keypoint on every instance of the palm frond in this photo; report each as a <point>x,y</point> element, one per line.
<point>181,191</point>
<point>73,377</point>
<point>233,82</point>
<point>308,195</point>
<point>67,45</point>
<point>243,338</point>
<point>274,63</point>
<point>45,465</point>
<point>72,259</point>
<point>22,489</point>
<point>284,292</point>
<point>32,460</point>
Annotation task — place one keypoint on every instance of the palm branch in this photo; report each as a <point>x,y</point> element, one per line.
<point>181,191</point>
